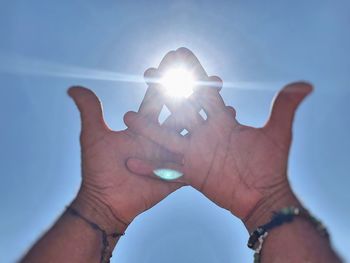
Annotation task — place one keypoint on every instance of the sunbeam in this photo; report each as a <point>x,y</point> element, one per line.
<point>30,66</point>
<point>15,64</point>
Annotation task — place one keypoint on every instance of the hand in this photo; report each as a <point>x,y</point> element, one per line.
<point>110,192</point>
<point>240,168</point>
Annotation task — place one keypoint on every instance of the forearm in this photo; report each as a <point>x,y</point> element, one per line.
<point>298,241</point>
<point>72,239</point>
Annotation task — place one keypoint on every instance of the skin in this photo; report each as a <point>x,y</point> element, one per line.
<point>240,168</point>
<point>221,150</point>
<point>110,195</point>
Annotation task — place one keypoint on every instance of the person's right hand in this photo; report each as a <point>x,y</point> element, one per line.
<point>240,168</point>
<point>110,194</point>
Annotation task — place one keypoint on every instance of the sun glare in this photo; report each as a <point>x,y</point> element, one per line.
<point>178,83</point>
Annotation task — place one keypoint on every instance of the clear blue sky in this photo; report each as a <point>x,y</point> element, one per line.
<point>46,46</point>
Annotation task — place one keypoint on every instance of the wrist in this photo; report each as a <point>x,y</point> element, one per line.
<point>263,210</point>
<point>98,212</point>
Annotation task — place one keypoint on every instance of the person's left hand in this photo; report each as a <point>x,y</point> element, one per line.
<point>240,168</point>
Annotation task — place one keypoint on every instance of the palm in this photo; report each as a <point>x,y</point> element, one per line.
<point>236,166</point>
<point>104,154</point>
<point>237,161</point>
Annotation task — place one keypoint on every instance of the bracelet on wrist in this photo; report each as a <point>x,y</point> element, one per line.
<point>285,215</point>
<point>106,251</point>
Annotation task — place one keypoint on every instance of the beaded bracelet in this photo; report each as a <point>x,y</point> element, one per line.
<point>106,252</point>
<point>285,215</point>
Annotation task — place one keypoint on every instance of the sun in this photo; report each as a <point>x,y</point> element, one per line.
<point>178,83</point>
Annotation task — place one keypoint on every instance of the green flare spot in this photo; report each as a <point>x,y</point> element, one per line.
<point>167,174</point>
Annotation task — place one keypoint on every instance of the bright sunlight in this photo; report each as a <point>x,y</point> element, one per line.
<point>178,83</point>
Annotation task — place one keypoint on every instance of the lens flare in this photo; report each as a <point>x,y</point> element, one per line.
<point>167,174</point>
<point>178,83</point>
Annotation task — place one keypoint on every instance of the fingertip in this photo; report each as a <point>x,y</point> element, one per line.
<point>73,90</point>
<point>301,87</point>
<point>129,117</point>
<point>169,58</point>
<point>70,91</point>
<point>80,91</point>
<point>150,75</point>
<point>171,53</point>
<point>184,51</point>
<point>286,103</point>
<point>216,82</point>
<point>85,98</point>
<point>231,110</point>
<point>139,167</point>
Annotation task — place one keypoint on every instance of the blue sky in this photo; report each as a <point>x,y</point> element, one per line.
<point>47,46</point>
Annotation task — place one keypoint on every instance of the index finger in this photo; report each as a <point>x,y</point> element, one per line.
<point>152,103</point>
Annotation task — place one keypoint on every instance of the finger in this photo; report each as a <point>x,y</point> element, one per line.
<point>161,187</point>
<point>286,103</point>
<point>186,117</point>
<point>154,100</point>
<point>215,82</point>
<point>168,139</point>
<point>90,108</point>
<point>172,123</point>
<point>177,122</point>
<point>151,76</point>
<point>169,59</point>
<point>191,61</point>
<point>139,166</point>
<point>210,100</point>
<point>231,111</point>
<point>158,152</point>
<point>194,65</point>
<point>152,103</point>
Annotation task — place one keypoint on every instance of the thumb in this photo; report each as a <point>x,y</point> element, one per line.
<point>89,106</point>
<point>167,171</point>
<point>286,104</point>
